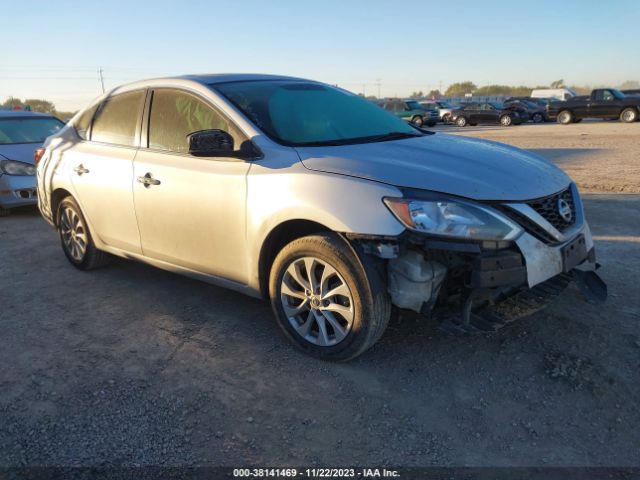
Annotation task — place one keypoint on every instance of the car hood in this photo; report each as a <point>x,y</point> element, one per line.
<point>461,166</point>
<point>22,152</point>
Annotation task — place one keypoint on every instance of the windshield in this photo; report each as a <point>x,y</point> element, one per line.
<point>27,129</point>
<point>298,113</point>
<point>444,105</point>
<point>617,93</point>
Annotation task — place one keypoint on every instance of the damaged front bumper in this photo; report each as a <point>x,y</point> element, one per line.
<point>485,285</point>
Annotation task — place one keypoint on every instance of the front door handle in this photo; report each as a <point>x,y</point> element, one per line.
<point>148,180</point>
<point>80,169</point>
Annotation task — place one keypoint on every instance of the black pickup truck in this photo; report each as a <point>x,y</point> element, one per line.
<point>602,103</point>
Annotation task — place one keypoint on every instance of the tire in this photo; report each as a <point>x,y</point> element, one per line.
<point>74,231</point>
<point>565,117</point>
<point>446,118</point>
<point>629,115</point>
<point>4,212</point>
<point>417,121</point>
<point>361,307</point>
<point>537,117</point>
<point>461,122</point>
<point>506,120</point>
<point>431,124</point>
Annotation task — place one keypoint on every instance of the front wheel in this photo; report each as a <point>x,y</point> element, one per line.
<point>417,121</point>
<point>629,115</point>
<point>565,117</point>
<point>76,239</point>
<point>506,120</point>
<point>461,122</point>
<point>326,301</point>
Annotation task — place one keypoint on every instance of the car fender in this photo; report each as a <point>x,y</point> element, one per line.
<point>338,202</point>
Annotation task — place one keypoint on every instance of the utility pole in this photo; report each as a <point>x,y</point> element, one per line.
<point>378,85</point>
<point>101,79</point>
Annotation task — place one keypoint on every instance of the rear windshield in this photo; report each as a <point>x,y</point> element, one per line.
<point>27,129</point>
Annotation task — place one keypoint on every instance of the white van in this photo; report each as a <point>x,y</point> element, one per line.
<point>559,93</point>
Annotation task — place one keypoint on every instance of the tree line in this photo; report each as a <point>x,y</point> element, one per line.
<point>460,89</point>
<point>36,105</point>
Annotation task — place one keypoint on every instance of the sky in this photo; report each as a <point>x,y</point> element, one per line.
<point>53,50</point>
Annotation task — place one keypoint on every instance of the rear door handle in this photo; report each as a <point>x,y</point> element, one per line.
<point>80,169</point>
<point>148,180</point>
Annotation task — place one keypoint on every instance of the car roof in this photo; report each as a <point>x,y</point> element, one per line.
<point>22,113</point>
<point>210,78</point>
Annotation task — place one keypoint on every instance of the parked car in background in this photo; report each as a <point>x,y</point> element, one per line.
<point>605,103</point>
<point>444,108</point>
<point>410,111</point>
<point>314,198</point>
<point>632,92</point>
<point>21,133</point>
<point>486,113</point>
<point>535,112</point>
<point>557,93</point>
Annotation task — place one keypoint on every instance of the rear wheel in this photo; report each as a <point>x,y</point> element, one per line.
<point>506,120</point>
<point>537,117</point>
<point>629,115</point>
<point>461,122</point>
<point>565,117</point>
<point>417,121</point>
<point>75,237</point>
<point>324,301</point>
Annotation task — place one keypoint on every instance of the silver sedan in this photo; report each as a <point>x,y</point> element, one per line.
<point>316,199</point>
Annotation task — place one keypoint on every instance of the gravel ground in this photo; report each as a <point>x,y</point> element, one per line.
<point>129,365</point>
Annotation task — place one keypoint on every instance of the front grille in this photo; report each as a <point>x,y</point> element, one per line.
<point>548,209</point>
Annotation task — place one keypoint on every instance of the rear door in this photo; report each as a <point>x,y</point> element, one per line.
<point>193,212</point>
<point>102,169</point>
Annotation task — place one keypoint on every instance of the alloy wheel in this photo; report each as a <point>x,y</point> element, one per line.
<point>317,301</point>
<point>74,233</point>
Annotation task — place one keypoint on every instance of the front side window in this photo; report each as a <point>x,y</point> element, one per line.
<point>175,114</point>
<point>117,119</point>
<point>414,105</point>
<point>299,113</point>
<point>27,129</point>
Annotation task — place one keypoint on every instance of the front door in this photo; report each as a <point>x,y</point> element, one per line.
<point>102,170</point>
<point>191,210</point>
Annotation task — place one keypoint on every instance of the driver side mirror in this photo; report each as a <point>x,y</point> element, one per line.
<point>210,143</point>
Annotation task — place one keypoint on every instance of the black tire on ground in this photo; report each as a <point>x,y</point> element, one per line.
<point>537,117</point>
<point>417,121</point>
<point>92,257</point>
<point>461,122</point>
<point>565,117</point>
<point>431,124</point>
<point>4,212</point>
<point>629,115</point>
<point>366,283</point>
<point>506,120</point>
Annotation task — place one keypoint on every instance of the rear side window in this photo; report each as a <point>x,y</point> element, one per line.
<point>84,122</point>
<point>176,114</point>
<point>117,119</point>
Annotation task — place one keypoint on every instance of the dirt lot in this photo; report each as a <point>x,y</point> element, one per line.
<point>133,365</point>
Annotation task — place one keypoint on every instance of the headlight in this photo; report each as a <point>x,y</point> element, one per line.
<point>453,218</point>
<point>13,167</point>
